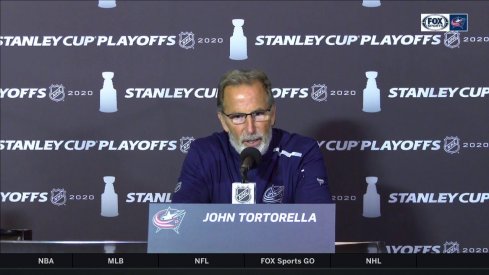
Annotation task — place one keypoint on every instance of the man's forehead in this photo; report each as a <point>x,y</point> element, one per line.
<point>243,103</point>
<point>246,84</point>
<point>245,91</point>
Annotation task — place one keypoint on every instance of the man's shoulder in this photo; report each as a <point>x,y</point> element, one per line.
<point>217,139</point>
<point>294,141</point>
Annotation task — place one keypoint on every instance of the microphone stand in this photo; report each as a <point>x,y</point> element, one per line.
<point>244,174</point>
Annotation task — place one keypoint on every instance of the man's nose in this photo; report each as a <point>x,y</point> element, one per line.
<point>250,125</point>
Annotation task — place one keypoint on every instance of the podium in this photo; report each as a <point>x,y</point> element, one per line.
<point>241,228</point>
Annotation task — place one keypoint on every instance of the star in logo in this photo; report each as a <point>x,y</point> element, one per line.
<point>169,218</point>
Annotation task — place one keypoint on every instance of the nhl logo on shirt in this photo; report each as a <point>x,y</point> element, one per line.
<point>243,193</point>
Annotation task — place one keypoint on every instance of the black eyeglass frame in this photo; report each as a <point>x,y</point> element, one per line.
<point>252,114</point>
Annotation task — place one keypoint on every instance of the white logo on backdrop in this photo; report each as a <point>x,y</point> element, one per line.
<point>434,22</point>
<point>371,3</point>
<point>185,143</point>
<point>371,199</point>
<point>110,201</point>
<point>58,196</point>
<point>319,92</point>
<point>451,247</point>
<point>451,145</point>
<point>186,40</point>
<point>57,92</point>
<point>452,39</point>
<point>238,44</point>
<point>371,94</point>
<point>108,95</point>
<point>107,4</point>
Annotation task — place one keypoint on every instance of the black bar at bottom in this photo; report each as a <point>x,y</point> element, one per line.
<point>373,260</point>
<point>287,260</point>
<point>36,260</point>
<point>116,260</point>
<point>453,260</point>
<point>201,260</point>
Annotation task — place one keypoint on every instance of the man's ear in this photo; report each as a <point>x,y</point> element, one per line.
<point>222,119</point>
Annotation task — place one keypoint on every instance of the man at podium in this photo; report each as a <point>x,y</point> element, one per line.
<point>251,161</point>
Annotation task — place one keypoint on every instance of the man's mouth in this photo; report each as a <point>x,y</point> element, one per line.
<point>252,142</point>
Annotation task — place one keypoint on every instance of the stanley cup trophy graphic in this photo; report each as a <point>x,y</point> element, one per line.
<point>110,201</point>
<point>371,94</point>
<point>371,3</point>
<point>108,95</point>
<point>238,44</point>
<point>371,199</point>
<point>106,4</point>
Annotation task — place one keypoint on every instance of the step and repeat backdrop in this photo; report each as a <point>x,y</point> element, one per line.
<point>101,100</point>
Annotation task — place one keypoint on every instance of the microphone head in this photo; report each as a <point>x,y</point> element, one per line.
<point>251,152</point>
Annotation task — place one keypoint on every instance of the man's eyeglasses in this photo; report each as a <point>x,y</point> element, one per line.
<point>258,116</point>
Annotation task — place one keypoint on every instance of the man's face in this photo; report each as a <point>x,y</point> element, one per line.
<point>246,99</point>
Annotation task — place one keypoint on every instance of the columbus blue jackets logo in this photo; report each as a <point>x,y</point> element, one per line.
<point>186,40</point>
<point>274,194</point>
<point>451,145</point>
<point>57,92</point>
<point>58,196</point>
<point>243,194</point>
<point>169,218</point>
<point>451,247</point>
<point>459,22</point>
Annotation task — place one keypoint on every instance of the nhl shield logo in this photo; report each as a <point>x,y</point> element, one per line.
<point>451,247</point>
<point>319,92</point>
<point>243,194</point>
<point>185,144</point>
<point>57,92</point>
<point>451,145</point>
<point>452,39</point>
<point>186,40</point>
<point>58,197</point>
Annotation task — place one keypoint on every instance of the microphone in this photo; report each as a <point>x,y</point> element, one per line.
<point>250,157</point>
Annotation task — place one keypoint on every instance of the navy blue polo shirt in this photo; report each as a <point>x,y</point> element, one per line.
<point>291,171</point>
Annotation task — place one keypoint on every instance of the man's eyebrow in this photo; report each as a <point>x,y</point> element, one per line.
<point>257,110</point>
